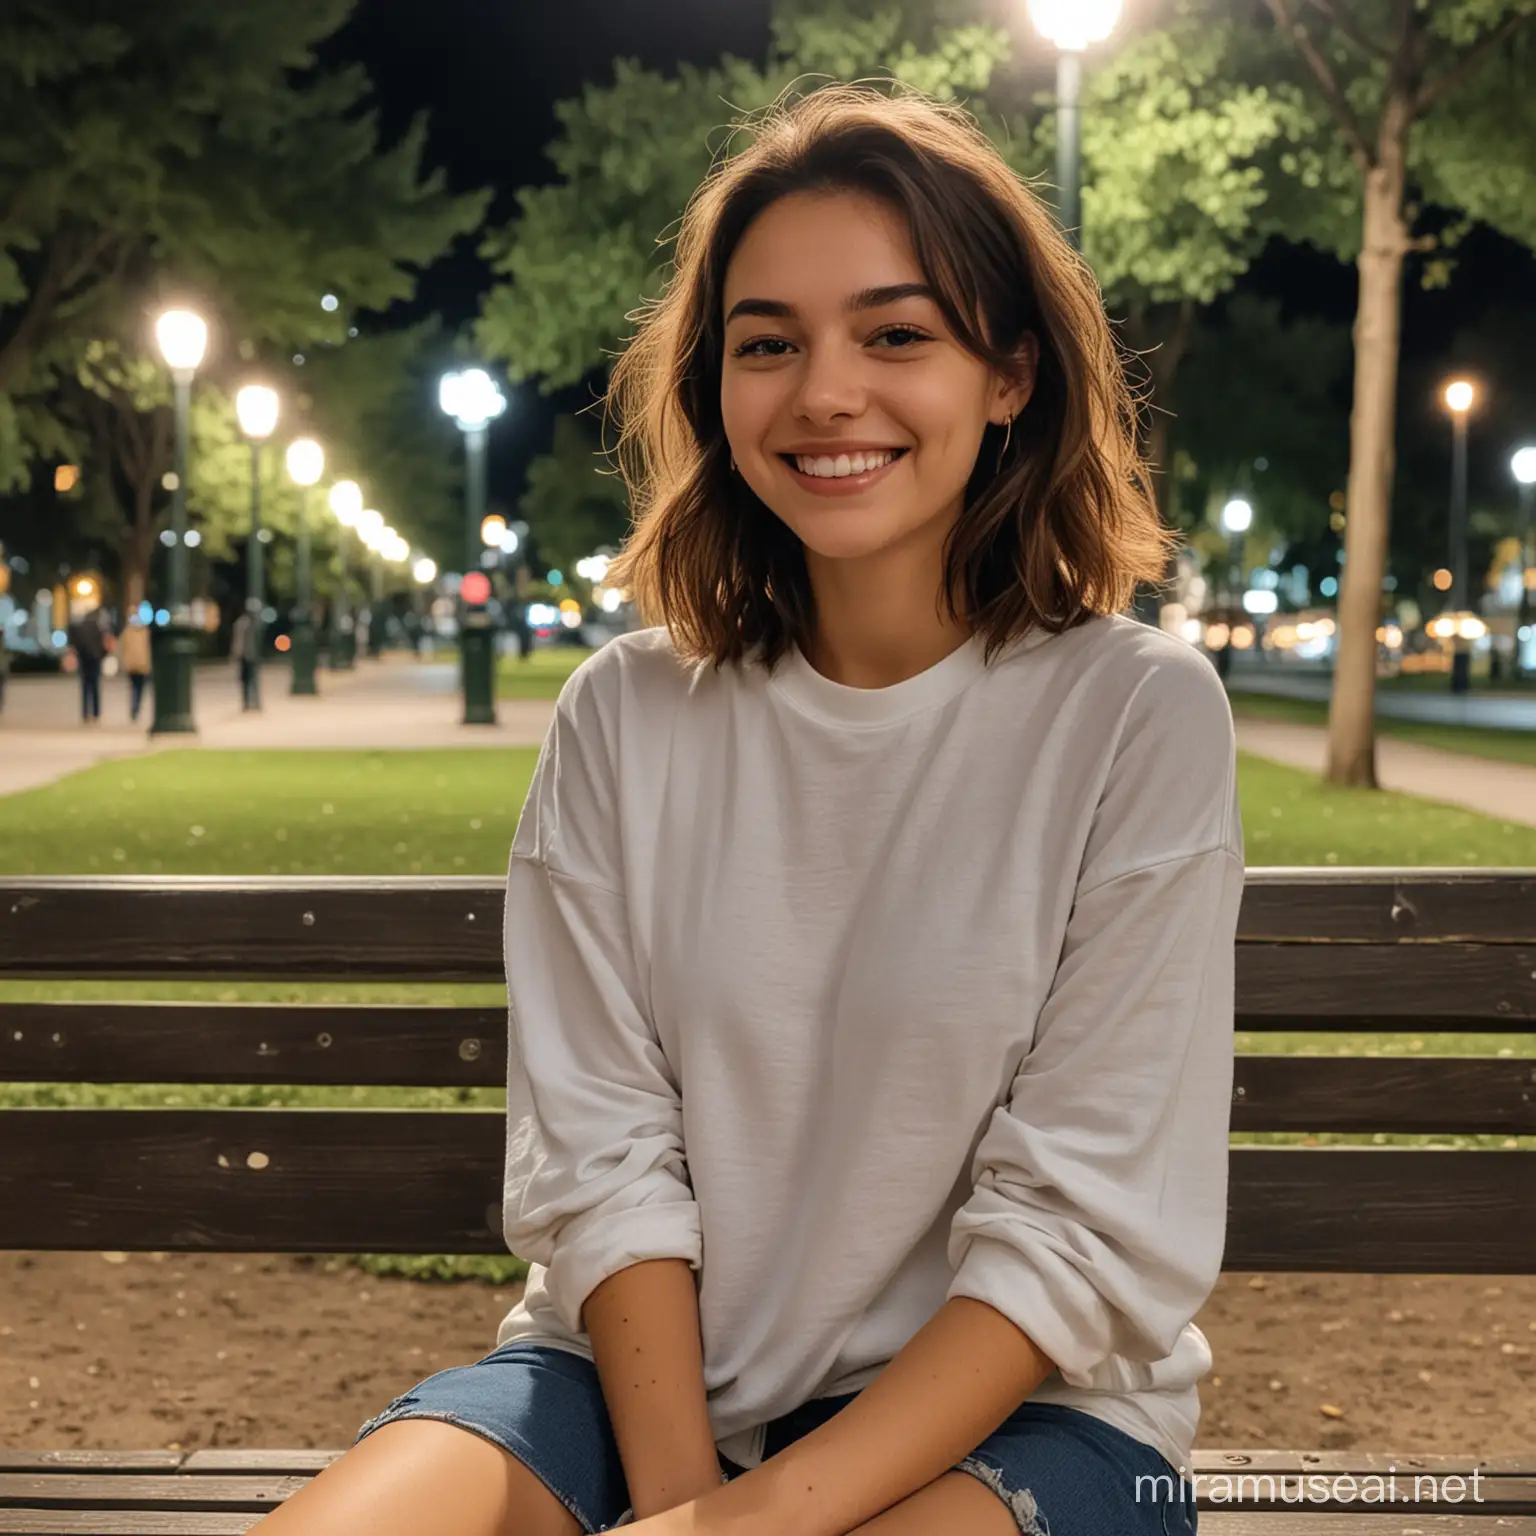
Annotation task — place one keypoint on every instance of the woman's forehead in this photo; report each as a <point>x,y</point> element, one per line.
<point>821,249</point>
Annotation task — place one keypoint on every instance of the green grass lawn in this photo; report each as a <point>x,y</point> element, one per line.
<point>1505,746</point>
<point>541,675</point>
<point>454,812</point>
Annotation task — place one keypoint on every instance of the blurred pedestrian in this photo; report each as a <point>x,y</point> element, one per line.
<point>245,647</point>
<point>136,662</point>
<point>88,640</point>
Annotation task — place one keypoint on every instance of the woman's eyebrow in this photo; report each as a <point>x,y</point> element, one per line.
<point>865,298</point>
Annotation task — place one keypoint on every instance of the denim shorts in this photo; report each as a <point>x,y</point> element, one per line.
<point>1060,1472</point>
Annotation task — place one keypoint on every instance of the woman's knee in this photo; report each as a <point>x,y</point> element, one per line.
<point>422,1477</point>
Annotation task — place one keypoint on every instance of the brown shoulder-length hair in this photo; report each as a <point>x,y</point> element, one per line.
<point>1058,526</point>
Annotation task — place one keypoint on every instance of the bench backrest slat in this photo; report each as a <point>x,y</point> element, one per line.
<point>275,1181</point>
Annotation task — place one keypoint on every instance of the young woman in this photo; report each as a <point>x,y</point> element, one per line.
<point>870,920</point>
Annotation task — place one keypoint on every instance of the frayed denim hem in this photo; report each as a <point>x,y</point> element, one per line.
<point>391,1416</point>
<point>1021,1502</point>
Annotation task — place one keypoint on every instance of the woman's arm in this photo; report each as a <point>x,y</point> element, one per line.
<point>644,1326</point>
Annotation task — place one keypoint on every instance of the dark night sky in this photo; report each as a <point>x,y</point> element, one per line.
<point>488,72</point>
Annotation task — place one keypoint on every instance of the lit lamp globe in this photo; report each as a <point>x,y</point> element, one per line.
<point>1523,466</point>
<point>1074,25</point>
<point>472,397</point>
<point>425,570</point>
<point>1460,395</point>
<point>182,338</point>
<point>493,531</point>
<point>370,525</point>
<point>306,461</point>
<point>256,408</point>
<point>346,501</point>
<point>1237,515</point>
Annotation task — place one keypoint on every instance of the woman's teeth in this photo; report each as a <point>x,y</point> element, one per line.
<point>844,463</point>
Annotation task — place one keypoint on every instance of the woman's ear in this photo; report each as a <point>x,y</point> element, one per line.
<point>1014,393</point>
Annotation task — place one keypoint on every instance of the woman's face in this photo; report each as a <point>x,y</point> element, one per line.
<point>851,409</point>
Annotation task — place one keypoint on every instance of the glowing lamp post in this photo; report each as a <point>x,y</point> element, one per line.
<point>1460,397</point>
<point>1073,26</point>
<point>256,407</point>
<point>1523,466</point>
<point>306,463</point>
<point>182,338</point>
<point>346,501</point>
<point>474,401</point>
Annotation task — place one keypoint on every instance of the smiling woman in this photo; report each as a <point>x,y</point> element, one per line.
<point>869,279</point>
<point>869,922</point>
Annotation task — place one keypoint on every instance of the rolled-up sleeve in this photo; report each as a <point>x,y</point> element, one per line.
<point>595,1177</point>
<point>1097,1221</point>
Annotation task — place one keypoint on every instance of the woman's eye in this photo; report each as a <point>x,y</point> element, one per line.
<point>906,331</point>
<point>752,348</point>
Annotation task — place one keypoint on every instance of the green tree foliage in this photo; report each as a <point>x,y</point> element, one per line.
<point>160,149</point>
<point>575,500</point>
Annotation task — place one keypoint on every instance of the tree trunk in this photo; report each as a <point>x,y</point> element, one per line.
<point>1372,455</point>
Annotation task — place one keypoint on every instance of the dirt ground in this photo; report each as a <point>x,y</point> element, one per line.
<point>155,1351</point>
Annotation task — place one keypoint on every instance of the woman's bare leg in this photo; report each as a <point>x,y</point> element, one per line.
<point>422,1477</point>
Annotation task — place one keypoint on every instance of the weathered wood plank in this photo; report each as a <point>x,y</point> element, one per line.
<point>372,1046</point>
<point>450,928</point>
<point>91,1490</point>
<point>410,1181</point>
<point>1400,1094</point>
<point>1384,986</point>
<point>127,1522</point>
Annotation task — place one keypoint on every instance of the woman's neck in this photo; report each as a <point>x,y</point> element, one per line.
<point>877,627</point>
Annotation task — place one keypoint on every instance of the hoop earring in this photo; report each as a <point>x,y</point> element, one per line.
<point>734,470</point>
<point>1007,438</point>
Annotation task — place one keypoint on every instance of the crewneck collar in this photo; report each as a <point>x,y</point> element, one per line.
<point>836,703</point>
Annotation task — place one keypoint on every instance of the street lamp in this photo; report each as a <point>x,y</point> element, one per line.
<point>306,463</point>
<point>256,408</point>
<point>1073,26</point>
<point>347,505</point>
<point>182,338</point>
<point>1460,397</point>
<point>474,401</point>
<point>1523,466</point>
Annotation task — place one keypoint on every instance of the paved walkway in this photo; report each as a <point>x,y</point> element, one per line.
<point>402,703</point>
<point>1508,711</point>
<point>1504,790</point>
<point>390,704</point>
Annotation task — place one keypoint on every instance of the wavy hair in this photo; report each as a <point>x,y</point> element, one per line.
<point>1058,524</point>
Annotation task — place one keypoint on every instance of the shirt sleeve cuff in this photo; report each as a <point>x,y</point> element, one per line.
<point>1066,1317</point>
<point>587,1257</point>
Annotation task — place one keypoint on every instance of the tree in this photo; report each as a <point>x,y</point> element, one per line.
<point>159,148</point>
<point>574,502</point>
<point>1179,161</point>
<point>1423,101</point>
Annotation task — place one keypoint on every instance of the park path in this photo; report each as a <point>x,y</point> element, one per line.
<point>391,704</point>
<point>400,702</point>
<point>1504,790</point>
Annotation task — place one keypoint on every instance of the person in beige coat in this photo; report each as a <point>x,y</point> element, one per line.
<point>136,662</point>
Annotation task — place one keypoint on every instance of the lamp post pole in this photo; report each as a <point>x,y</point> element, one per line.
<point>473,399</point>
<point>1524,467</point>
<point>1459,397</point>
<point>306,463</point>
<point>1069,144</point>
<point>256,409</point>
<point>183,338</point>
<point>346,500</point>
<point>1073,26</point>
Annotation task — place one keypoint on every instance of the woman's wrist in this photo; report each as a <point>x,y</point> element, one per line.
<point>653,1492</point>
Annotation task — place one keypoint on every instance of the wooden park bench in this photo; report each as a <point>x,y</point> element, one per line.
<point>1318,950</point>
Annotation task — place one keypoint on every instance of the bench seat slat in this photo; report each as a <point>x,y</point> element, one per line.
<point>257,1493</point>
<point>409,1181</point>
<point>133,1522</point>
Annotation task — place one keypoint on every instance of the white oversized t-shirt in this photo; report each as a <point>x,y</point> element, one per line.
<point>859,999</point>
